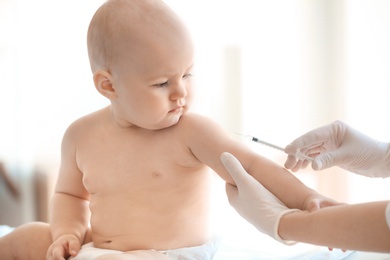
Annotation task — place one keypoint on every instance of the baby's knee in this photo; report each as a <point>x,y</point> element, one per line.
<point>29,241</point>
<point>5,248</point>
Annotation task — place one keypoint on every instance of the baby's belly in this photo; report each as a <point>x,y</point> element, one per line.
<point>149,225</point>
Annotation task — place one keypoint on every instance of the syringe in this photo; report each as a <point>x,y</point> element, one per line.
<point>257,140</point>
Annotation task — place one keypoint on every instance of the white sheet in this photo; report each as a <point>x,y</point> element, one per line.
<point>4,230</point>
<point>267,248</point>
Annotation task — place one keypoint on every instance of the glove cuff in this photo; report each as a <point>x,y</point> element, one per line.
<point>276,227</point>
<point>387,161</point>
<point>381,169</point>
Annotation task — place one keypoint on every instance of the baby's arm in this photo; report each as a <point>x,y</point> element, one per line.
<point>290,190</point>
<point>208,141</point>
<point>69,212</point>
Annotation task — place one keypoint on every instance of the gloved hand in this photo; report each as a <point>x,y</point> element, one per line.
<point>253,201</point>
<point>338,144</point>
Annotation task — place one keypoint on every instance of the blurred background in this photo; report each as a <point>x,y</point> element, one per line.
<point>273,69</point>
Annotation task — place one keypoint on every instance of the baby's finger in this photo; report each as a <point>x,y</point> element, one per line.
<point>313,205</point>
<point>58,253</point>
<point>74,247</point>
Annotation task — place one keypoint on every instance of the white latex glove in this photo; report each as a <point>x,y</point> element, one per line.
<point>338,144</point>
<point>253,201</point>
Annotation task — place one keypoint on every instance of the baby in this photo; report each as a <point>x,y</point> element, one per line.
<point>138,171</point>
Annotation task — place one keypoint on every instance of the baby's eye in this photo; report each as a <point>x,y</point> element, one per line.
<point>160,85</point>
<point>188,75</point>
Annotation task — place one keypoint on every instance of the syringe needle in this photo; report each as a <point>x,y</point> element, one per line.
<point>241,134</point>
<point>257,140</point>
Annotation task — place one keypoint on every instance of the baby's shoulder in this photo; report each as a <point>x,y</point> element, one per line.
<point>195,120</point>
<point>199,124</point>
<point>85,124</point>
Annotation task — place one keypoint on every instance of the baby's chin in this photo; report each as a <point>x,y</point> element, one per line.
<point>168,123</point>
<point>174,121</point>
<point>176,118</point>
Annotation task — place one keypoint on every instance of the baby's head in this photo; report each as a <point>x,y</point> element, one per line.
<point>121,27</point>
<point>139,49</point>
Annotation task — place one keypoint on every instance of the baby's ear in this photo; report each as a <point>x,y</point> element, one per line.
<point>103,84</point>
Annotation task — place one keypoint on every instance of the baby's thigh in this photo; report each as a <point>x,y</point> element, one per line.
<point>29,241</point>
<point>138,254</point>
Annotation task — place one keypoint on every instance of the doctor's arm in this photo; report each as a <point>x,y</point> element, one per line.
<point>353,227</point>
<point>360,227</point>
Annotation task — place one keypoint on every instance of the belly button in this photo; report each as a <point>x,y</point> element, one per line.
<point>156,174</point>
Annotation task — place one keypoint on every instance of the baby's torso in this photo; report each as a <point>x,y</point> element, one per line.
<point>147,189</point>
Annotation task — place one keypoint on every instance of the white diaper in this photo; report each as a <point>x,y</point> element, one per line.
<point>203,252</point>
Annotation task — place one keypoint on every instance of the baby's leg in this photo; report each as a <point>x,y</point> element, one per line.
<point>136,255</point>
<point>29,241</point>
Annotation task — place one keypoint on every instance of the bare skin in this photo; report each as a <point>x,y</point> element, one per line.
<point>35,238</point>
<point>156,178</point>
<point>139,171</point>
<point>353,227</point>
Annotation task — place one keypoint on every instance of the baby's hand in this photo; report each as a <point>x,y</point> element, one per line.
<point>318,201</point>
<point>63,247</point>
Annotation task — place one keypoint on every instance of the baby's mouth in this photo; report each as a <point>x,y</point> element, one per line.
<point>177,109</point>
